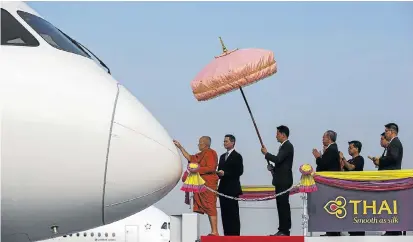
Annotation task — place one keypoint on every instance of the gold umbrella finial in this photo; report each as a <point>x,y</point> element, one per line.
<point>224,49</point>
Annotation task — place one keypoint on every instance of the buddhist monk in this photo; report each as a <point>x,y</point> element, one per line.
<point>205,202</point>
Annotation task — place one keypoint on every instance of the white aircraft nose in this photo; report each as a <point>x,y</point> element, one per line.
<point>143,163</point>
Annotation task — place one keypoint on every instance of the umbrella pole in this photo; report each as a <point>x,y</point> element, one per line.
<point>252,117</point>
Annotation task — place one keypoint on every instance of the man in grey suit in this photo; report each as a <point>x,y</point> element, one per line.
<point>329,161</point>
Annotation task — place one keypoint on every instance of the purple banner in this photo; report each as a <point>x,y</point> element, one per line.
<point>333,209</point>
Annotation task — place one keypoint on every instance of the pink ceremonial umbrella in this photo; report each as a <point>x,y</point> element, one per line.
<point>233,70</point>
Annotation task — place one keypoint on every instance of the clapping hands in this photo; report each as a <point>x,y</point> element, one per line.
<point>374,159</point>
<point>316,153</point>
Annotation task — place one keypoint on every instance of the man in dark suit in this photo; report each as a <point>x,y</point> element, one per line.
<point>394,151</point>
<point>282,178</point>
<point>383,143</point>
<point>392,160</point>
<point>230,169</point>
<point>329,161</point>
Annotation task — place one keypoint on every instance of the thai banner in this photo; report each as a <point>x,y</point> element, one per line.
<point>363,201</point>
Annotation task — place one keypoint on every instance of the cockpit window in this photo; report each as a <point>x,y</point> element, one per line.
<point>51,34</point>
<point>164,225</point>
<point>14,33</point>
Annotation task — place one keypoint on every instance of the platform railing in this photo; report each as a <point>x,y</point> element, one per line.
<point>342,201</point>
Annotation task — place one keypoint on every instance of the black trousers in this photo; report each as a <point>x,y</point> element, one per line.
<point>283,209</point>
<point>230,216</point>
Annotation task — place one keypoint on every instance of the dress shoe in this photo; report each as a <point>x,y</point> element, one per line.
<point>395,233</point>
<point>279,233</point>
<point>331,234</point>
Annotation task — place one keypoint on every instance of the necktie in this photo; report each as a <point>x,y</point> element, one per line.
<point>226,155</point>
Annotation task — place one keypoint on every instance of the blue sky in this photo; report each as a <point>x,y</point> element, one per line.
<point>346,66</point>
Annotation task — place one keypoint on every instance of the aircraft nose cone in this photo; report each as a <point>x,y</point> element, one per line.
<point>143,163</point>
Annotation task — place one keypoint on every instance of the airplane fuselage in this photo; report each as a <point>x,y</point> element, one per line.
<point>78,150</point>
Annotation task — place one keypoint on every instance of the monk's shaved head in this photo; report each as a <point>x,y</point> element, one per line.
<point>204,143</point>
<point>206,140</point>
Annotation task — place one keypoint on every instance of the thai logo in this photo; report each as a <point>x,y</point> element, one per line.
<point>337,207</point>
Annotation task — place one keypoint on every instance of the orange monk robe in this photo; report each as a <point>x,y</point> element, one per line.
<point>206,202</point>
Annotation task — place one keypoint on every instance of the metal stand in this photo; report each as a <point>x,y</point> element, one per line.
<point>304,215</point>
<point>191,208</point>
<point>191,201</point>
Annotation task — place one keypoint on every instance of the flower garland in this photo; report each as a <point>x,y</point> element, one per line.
<point>373,181</point>
<point>193,181</point>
